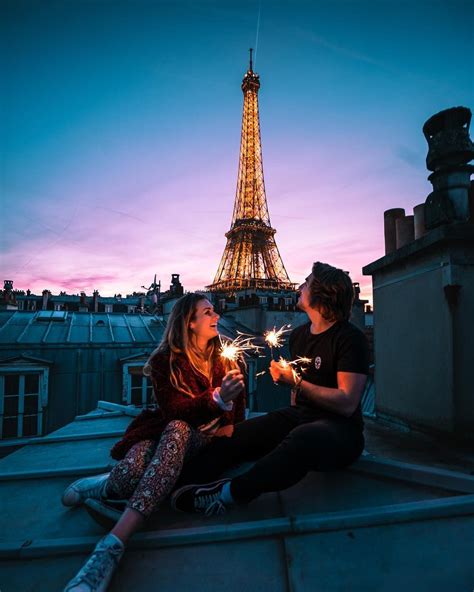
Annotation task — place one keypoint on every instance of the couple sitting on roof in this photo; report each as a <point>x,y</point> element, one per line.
<point>199,430</point>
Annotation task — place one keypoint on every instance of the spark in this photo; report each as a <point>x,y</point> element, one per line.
<point>299,361</point>
<point>285,364</point>
<point>234,349</point>
<point>274,338</point>
<point>260,373</point>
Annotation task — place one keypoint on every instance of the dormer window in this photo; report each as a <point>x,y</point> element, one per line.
<point>20,405</point>
<point>137,388</point>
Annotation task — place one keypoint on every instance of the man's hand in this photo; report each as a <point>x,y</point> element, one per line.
<point>232,385</point>
<point>282,374</point>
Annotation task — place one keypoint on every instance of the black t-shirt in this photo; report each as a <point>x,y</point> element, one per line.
<point>341,348</point>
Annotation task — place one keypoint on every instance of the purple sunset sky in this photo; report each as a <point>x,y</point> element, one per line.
<point>122,123</point>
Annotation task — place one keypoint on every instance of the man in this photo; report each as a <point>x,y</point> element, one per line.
<point>321,430</point>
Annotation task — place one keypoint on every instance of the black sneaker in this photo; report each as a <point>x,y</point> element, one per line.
<point>201,499</point>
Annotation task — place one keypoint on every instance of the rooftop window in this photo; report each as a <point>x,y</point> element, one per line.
<point>21,412</point>
<point>51,315</point>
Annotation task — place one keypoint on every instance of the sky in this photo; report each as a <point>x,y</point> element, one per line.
<point>120,126</point>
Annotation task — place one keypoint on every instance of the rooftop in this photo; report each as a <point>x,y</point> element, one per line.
<point>398,516</point>
<point>50,327</point>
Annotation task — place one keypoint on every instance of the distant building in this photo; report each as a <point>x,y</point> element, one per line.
<point>55,365</point>
<point>150,301</point>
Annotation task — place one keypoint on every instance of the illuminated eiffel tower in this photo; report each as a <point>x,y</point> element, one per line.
<point>251,259</point>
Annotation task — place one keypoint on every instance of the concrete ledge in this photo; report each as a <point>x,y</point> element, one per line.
<point>456,232</point>
<point>64,472</point>
<point>288,526</point>
<point>74,437</point>
<point>60,438</point>
<point>439,478</point>
<point>95,415</point>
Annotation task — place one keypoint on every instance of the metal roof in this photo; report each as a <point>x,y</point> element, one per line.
<point>50,327</point>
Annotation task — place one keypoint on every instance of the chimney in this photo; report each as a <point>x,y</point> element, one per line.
<point>46,295</point>
<point>390,218</point>
<point>83,306</point>
<point>405,230</point>
<point>450,150</point>
<point>176,287</point>
<point>419,215</point>
<point>95,301</point>
<point>7,296</point>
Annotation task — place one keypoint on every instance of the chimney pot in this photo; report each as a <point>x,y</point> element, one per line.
<point>405,229</point>
<point>389,218</point>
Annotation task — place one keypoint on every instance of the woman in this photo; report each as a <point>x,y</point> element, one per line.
<point>200,396</point>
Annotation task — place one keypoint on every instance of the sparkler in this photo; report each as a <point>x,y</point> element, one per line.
<point>285,364</point>
<point>274,337</point>
<point>299,361</point>
<point>234,349</point>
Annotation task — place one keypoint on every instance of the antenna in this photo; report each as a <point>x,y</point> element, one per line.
<point>251,50</point>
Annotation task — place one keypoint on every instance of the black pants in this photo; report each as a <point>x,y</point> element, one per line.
<point>288,443</point>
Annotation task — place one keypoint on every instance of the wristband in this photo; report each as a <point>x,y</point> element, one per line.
<point>216,396</point>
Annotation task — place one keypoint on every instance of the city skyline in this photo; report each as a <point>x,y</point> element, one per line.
<point>123,130</point>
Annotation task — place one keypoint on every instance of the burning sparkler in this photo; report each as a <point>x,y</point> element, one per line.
<point>285,364</point>
<point>299,362</point>
<point>233,350</point>
<point>274,337</point>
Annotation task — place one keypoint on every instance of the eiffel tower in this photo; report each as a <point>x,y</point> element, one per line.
<point>251,258</point>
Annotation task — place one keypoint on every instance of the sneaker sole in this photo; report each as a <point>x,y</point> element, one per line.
<point>185,488</point>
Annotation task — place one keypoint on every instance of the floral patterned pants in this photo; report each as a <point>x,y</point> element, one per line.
<point>149,471</point>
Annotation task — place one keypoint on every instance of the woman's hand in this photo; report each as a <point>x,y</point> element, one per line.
<point>282,374</point>
<point>232,385</point>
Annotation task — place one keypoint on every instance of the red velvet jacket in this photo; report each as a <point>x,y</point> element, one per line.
<point>174,404</point>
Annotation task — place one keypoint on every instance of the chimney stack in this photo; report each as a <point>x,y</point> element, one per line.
<point>405,230</point>
<point>390,218</point>
<point>46,295</point>
<point>450,150</point>
<point>95,301</point>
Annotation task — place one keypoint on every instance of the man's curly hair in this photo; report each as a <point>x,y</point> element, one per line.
<point>331,292</point>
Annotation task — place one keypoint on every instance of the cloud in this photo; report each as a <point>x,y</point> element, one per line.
<point>345,51</point>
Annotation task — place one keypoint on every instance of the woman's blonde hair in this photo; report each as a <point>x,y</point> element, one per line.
<point>177,341</point>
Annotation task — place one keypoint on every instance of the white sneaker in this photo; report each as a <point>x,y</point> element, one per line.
<point>80,490</point>
<point>96,573</point>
